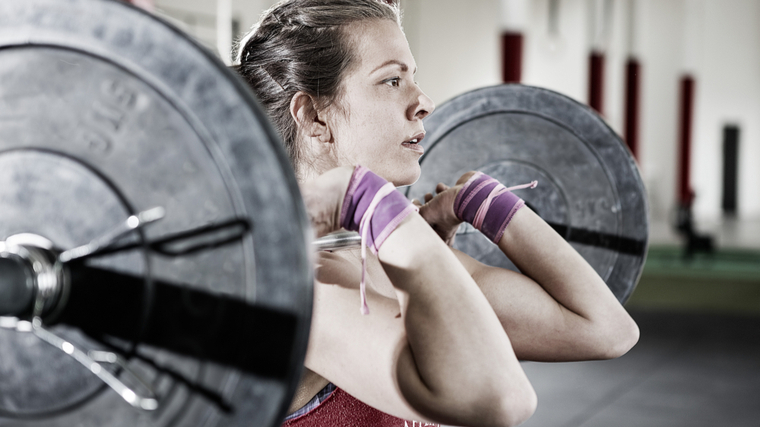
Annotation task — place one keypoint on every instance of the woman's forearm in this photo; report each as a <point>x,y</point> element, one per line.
<point>543,255</point>
<point>460,360</point>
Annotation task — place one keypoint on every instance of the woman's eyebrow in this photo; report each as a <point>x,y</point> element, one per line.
<point>403,66</point>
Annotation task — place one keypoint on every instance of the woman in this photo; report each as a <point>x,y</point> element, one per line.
<point>445,333</point>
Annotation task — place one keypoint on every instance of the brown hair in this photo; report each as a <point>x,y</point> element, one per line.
<point>301,45</point>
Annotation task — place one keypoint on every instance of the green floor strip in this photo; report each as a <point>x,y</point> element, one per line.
<point>726,281</point>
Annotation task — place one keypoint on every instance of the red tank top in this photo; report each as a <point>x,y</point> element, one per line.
<point>340,409</point>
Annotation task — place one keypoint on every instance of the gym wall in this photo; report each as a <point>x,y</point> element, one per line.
<point>716,41</point>
<point>456,45</point>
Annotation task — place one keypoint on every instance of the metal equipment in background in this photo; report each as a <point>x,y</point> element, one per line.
<point>154,266</point>
<point>589,189</point>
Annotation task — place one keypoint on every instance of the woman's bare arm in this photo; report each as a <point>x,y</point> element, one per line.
<point>559,309</point>
<point>437,351</point>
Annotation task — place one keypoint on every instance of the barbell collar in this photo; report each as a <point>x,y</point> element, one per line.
<point>32,282</point>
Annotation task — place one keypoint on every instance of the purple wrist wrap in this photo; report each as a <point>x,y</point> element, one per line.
<point>373,207</point>
<point>391,209</point>
<point>487,205</point>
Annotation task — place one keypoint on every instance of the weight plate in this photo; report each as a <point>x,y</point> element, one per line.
<point>589,188</point>
<point>106,111</point>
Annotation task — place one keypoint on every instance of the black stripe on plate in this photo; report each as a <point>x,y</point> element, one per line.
<point>623,245</point>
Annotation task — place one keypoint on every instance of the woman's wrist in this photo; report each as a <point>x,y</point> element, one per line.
<point>373,207</point>
<point>487,205</point>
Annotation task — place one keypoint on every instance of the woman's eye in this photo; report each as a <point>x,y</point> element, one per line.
<point>392,82</point>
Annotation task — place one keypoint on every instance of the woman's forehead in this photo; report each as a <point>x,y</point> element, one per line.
<point>380,43</point>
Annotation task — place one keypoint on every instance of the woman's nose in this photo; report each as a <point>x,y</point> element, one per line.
<point>422,107</point>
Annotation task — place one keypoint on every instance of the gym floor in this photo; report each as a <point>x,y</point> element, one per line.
<point>698,360</point>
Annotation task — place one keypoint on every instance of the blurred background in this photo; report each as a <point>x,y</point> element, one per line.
<point>679,80</point>
<point>460,45</point>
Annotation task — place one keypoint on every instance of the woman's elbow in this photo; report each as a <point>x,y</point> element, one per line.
<point>507,404</point>
<point>511,411</point>
<point>618,338</point>
<point>507,407</point>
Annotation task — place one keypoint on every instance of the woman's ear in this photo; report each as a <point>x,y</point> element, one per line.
<point>308,119</point>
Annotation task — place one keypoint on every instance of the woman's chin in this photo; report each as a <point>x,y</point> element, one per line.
<point>410,177</point>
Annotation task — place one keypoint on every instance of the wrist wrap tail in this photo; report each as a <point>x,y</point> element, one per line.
<point>488,205</point>
<point>373,207</point>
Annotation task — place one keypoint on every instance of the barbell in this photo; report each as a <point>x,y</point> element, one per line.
<point>119,136</point>
<point>154,249</point>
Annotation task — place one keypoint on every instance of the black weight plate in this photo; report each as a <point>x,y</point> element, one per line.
<point>589,188</point>
<point>106,111</point>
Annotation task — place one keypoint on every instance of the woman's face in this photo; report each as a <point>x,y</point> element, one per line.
<point>382,106</point>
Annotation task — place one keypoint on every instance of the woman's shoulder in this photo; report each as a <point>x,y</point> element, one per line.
<point>342,268</point>
<point>345,267</point>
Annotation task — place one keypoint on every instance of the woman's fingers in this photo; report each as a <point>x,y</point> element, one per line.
<point>440,188</point>
<point>323,198</point>
<point>462,179</point>
<point>438,211</point>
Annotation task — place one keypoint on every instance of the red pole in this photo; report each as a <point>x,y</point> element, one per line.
<point>596,81</point>
<point>632,82</point>
<point>685,194</point>
<point>511,57</point>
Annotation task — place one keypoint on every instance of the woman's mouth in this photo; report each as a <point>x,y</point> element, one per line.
<point>413,144</point>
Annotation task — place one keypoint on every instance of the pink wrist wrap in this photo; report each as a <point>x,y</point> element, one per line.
<point>488,205</point>
<point>373,207</point>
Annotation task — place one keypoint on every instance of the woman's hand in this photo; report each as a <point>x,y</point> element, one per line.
<point>323,198</point>
<point>438,210</point>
